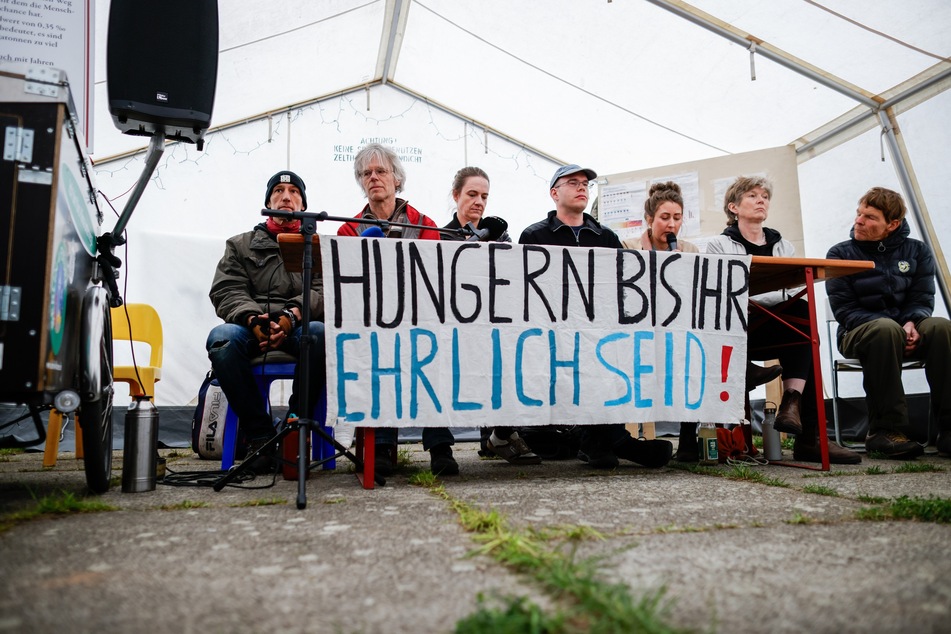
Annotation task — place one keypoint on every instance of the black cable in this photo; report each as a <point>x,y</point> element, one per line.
<point>208,478</point>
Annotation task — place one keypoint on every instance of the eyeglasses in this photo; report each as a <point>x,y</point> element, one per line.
<point>575,184</point>
<point>379,171</point>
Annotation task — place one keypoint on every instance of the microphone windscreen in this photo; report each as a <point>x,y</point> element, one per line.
<point>495,225</point>
<point>373,232</point>
<point>671,242</point>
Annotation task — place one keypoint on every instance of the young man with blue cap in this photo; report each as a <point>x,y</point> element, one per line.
<point>568,225</point>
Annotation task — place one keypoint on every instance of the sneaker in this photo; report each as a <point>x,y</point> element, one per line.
<point>514,450</point>
<point>441,462</point>
<point>598,455</point>
<point>812,453</point>
<point>893,444</point>
<point>266,461</point>
<point>384,462</point>
<point>653,454</point>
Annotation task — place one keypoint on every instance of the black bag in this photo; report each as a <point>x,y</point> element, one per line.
<point>553,442</point>
<point>208,422</point>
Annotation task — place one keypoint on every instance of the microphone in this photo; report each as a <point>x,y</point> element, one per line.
<point>671,242</point>
<point>476,235</point>
<point>373,232</point>
<point>495,227</point>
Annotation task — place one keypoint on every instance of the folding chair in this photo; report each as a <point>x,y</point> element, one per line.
<point>841,364</point>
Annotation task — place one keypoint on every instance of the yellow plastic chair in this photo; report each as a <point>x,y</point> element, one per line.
<point>146,328</point>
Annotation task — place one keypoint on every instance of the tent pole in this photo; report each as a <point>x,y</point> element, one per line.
<point>909,184</point>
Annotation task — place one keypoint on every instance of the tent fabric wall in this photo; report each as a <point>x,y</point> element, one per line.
<point>515,88</point>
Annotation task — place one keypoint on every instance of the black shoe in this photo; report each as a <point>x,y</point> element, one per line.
<point>266,461</point>
<point>812,453</point>
<point>687,448</point>
<point>384,462</point>
<point>757,375</point>
<point>943,443</point>
<point>787,419</point>
<point>893,444</point>
<point>597,454</point>
<point>441,462</point>
<point>653,454</point>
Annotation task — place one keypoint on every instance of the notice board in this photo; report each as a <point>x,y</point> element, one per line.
<point>703,183</point>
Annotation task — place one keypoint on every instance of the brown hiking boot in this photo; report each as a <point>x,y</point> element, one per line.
<point>758,375</point>
<point>810,452</point>
<point>893,444</point>
<point>787,419</point>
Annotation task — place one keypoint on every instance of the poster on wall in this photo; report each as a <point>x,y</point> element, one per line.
<point>57,34</point>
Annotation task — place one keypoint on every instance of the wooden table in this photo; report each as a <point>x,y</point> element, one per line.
<point>800,276</point>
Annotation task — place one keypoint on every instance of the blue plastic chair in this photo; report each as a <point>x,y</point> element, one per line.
<point>278,366</point>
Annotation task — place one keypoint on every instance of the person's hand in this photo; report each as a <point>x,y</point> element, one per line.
<point>272,329</point>
<point>912,338</point>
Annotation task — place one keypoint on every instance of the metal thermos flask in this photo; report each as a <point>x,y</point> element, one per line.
<point>140,446</point>
<point>772,446</point>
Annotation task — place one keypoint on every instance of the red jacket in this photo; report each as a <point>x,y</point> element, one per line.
<point>413,216</point>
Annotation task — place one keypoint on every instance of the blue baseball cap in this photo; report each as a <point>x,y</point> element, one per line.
<point>566,170</point>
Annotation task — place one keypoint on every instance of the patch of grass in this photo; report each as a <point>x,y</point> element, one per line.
<point>184,505</point>
<point>336,500</point>
<point>262,502</point>
<point>918,467</point>
<point>508,615</point>
<point>585,603</point>
<point>871,499</point>
<point>787,442</point>
<point>61,503</point>
<point>877,455</point>
<point>748,474</point>
<point>799,518</point>
<point>568,532</point>
<point>403,458</point>
<point>818,489</point>
<point>671,528</point>
<point>424,479</point>
<point>833,474</point>
<point>11,451</point>
<point>930,509</point>
<point>875,470</point>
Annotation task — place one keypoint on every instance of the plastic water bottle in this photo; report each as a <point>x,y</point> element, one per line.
<point>772,445</point>
<point>707,444</point>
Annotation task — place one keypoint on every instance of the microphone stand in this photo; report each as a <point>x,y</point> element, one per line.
<point>305,425</point>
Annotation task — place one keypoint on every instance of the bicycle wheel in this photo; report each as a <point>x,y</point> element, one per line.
<point>95,410</point>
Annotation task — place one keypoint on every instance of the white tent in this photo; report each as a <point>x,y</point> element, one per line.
<point>858,87</point>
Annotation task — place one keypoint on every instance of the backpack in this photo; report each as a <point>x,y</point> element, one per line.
<point>208,422</point>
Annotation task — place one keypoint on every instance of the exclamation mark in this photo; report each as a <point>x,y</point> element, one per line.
<point>724,370</point>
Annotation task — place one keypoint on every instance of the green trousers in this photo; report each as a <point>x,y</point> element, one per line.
<point>880,345</point>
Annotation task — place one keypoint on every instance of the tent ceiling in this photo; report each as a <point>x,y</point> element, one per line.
<point>623,84</point>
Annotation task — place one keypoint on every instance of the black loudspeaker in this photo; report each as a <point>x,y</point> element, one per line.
<point>162,66</point>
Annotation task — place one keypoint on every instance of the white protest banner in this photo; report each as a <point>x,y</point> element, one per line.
<point>429,333</point>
